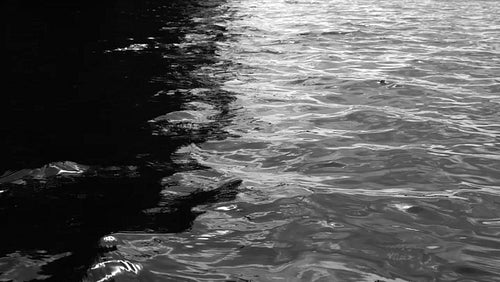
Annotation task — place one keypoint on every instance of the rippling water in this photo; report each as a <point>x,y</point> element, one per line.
<point>322,141</point>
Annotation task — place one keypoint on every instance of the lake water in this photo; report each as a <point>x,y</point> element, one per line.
<point>265,140</point>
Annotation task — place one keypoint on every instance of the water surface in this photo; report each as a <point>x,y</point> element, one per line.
<point>300,141</point>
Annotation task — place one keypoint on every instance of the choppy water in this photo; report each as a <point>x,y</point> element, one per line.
<point>342,141</point>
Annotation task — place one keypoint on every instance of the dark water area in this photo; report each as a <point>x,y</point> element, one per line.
<point>68,95</point>
<point>75,95</point>
<point>250,141</point>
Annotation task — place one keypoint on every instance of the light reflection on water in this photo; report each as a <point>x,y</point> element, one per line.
<point>347,177</point>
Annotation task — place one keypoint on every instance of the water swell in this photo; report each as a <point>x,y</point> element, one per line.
<point>299,140</point>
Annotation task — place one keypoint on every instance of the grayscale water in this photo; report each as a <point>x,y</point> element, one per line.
<point>366,135</point>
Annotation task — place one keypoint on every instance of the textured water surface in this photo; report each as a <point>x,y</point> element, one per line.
<point>312,141</point>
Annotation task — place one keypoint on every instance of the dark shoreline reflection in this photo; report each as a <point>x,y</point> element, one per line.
<point>86,80</point>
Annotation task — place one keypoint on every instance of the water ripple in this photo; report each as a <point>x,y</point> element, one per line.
<point>363,138</point>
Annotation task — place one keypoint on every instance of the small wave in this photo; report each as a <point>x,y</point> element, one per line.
<point>46,172</point>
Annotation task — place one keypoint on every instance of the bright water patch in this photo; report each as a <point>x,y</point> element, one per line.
<point>366,135</point>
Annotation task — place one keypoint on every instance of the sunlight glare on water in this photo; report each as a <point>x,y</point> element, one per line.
<point>366,134</point>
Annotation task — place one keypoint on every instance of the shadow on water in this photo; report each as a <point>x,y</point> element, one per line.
<point>82,76</point>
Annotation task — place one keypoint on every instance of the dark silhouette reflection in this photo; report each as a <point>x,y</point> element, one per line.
<point>83,78</point>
